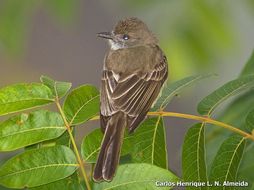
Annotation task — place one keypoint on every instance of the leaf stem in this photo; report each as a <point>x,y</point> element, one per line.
<point>67,125</point>
<point>198,118</point>
<point>204,119</point>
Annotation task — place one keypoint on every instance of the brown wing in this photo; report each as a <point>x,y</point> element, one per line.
<point>107,106</point>
<point>134,95</point>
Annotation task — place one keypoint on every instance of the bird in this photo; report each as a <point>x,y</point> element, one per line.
<point>134,72</point>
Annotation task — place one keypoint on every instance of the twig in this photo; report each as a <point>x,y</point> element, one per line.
<point>81,164</point>
<point>198,118</point>
<point>204,119</point>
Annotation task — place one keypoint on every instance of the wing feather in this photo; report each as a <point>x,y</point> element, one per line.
<point>133,94</point>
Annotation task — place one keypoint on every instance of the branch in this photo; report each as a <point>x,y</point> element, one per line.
<point>68,127</point>
<point>204,119</point>
<point>199,118</point>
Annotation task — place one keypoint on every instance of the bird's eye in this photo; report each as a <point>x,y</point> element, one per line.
<point>125,37</point>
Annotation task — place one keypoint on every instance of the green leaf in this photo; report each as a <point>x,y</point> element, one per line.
<point>26,129</point>
<point>59,89</point>
<point>37,167</point>
<point>146,145</point>
<point>23,96</point>
<point>209,103</point>
<point>236,112</point>
<point>193,155</point>
<point>70,183</point>
<point>138,177</point>
<point>227,160</point>
<point>172,89</point>
<point>81,104</point>
<point>250,121</point>
<point>249,67</point>
<point>246,168</point>
<point>64,139</point>
<point>91,145</point>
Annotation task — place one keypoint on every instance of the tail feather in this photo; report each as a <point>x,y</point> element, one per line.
<point>109,155</point>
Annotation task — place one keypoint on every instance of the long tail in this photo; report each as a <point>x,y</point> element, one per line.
<point>109,155</point>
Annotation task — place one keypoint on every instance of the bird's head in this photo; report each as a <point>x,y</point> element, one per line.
<point>130,32</point>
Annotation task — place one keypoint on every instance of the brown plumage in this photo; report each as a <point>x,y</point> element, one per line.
<point>134,72</point>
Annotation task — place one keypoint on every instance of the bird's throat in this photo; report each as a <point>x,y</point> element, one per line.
<point>115,46</point>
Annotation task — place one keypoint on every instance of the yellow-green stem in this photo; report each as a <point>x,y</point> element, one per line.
<point>81,164</point>
<point>199,118</point>
<point>203,119</point>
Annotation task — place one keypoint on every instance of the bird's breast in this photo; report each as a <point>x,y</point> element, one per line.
<point>131,60</point>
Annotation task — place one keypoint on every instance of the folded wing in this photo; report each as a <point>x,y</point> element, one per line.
<point>133,94</point>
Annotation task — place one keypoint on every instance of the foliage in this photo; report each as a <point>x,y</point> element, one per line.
<point>50,158</point>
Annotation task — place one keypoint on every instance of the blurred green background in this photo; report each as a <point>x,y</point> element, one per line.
<point>58,38</point>
<point>195,34</point>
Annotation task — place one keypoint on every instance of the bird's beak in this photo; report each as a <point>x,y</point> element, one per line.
<point>106,35</point>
